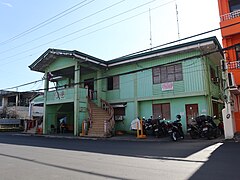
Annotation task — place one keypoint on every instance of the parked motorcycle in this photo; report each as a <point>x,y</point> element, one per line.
<point>197,128</point>
<point>204,126</point>
<point>156,127</point>
<point>149,126</point>
<point>175,129</point>
<point>159,127</point>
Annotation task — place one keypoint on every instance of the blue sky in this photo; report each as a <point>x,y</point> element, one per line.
<point>106,29</point>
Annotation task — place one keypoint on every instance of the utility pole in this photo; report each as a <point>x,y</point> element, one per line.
<point>228,121</point>
<point>150,24</point>
<point>177,22</point>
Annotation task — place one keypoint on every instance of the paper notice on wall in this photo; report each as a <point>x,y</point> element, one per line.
<point>167,86</point>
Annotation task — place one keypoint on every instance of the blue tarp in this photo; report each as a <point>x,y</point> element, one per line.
<point>10,121</point>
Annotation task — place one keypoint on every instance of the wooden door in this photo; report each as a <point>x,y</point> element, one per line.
<point>191,112</point>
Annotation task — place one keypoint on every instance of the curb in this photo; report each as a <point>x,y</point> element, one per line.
<point>124,138</point>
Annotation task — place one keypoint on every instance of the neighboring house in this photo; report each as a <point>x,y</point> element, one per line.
<point>14,107</point>
<point>36,109</point>
<point>229,11</point>
<point>15,104</point>
<point>182,79</point>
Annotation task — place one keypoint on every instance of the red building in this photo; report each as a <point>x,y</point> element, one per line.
<point>229,11</point>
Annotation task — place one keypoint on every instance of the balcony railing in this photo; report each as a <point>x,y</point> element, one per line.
<point>65,95</point>
<point>233,65</point>
<point>231,15</point>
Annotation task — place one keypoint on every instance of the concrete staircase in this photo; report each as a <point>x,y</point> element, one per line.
<point>98,117</point>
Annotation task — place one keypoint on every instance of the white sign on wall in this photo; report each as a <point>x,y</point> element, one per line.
<point>167,86</point>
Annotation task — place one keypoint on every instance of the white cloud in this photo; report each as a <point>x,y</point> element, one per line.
<point>7,4</point>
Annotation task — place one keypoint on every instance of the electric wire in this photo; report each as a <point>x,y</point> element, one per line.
<point>46,22</point>
<point>168,43</point>
<point>121,74</point>
<point>105,27</point>
<point>66,26</point>
<point>72,33</point>
<point>151,67</point>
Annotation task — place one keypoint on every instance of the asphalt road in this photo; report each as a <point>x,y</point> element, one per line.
<point>33,157</point>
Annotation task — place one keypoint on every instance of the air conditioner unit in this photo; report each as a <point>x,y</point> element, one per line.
<point>231,81</point>
<point>119,118</point>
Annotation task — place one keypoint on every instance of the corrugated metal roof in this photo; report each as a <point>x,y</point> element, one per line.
<point>51,54</point>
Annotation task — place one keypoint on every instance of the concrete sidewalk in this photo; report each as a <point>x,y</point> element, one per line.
<point>124,137</point>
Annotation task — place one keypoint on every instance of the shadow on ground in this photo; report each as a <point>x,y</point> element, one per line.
<point>223,164</point>
<point>154,149</point>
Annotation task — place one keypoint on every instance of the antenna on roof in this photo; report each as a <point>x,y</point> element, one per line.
<point>177,21</point>
<point>150,23</point>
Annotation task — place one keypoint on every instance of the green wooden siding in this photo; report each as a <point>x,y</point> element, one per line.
<point>61,63</point>
<point>193,71</point>
<point>126,86</point>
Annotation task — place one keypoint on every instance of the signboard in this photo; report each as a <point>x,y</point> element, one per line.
<point>167,86</point>
<point>59,94</point>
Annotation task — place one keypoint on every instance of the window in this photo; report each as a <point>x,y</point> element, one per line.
<point>238,52</point>
<point>162,110</point>
<point>234,5</point>
<point>215,110</point>
<point>171,73</point>
<point>119,112</point>
<point>12,101</point>
<point>212,73</point>
<point>214,78</point>
<point>1,101</point>
<point>113,83</point>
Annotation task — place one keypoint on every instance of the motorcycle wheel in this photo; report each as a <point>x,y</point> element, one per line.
<point>174,136</point>
<point>193,134</point>
<point>217,133</point>
<point>209,133</point>
<point>181,134</point>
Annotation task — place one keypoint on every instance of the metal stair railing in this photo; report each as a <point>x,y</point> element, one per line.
<point>109,123</point>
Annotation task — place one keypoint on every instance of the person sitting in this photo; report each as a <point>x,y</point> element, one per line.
<point>62,127</point>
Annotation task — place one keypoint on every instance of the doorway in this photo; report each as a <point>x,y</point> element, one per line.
<point>89,83</point>
<point>191,112</point>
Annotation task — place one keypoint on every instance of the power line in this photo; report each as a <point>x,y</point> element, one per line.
<point>131,17</point>
<point>125,73</point>
<point>99,22</point>
<point>68,25</point>
<point>160,46</point>
<point>48,21</point>
<point>33,82</point>
<point>189,37</point>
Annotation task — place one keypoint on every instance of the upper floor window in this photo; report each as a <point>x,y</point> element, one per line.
<point>113,83</point>
<point>170,73</point>
<point>238,52</point>
<point>234,5</point>
<point>214,77</point>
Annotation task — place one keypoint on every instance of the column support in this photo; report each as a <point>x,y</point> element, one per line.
<point>46,84</point>
<point>76,98</point>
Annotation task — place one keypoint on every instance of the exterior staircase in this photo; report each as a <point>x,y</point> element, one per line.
<point>98,116</point>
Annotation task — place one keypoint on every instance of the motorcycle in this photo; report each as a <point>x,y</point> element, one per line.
<point>213,130</point>
<point>159,127</point>
<point>203,126</point>
<point>197,128</point>
<point>175,129</point>
<point>149,126</point>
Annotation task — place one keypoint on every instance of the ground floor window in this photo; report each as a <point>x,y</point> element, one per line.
<point>119,112</point>
<point>162,110</point>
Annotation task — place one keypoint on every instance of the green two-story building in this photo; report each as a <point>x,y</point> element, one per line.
<point>182,79</point>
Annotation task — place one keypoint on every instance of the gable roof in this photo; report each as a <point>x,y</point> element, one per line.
<point>51,54</point>
<point>189,46</point>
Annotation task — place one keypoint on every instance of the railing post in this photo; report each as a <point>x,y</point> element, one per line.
<point>105,127</point>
